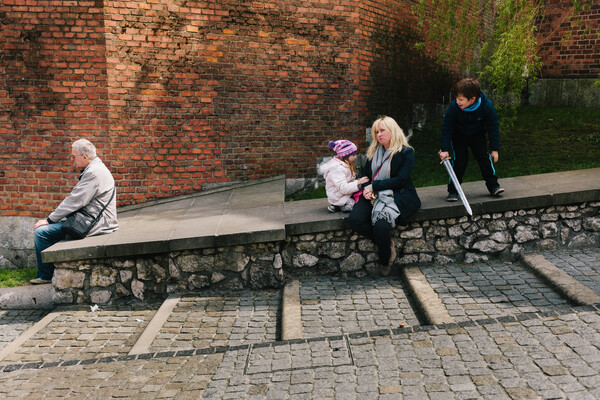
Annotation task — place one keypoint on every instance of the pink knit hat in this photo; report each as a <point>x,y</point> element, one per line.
<point>343,148</point>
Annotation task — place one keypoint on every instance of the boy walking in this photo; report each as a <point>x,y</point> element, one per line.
<point>466,122</point>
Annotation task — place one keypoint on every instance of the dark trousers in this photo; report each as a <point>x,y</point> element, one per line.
<point>478,145</point>
<point>380,233</point>
<point>44,237</point>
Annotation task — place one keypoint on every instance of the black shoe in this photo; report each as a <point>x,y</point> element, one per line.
<point>497,190</point>
<point>452,197</point>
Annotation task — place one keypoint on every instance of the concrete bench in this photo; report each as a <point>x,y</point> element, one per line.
<point>246,235</point>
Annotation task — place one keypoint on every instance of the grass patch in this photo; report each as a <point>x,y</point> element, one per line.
<point>542,140</point>
<point>16,277</point>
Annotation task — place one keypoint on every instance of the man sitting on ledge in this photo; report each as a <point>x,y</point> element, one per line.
<point>95,183</point>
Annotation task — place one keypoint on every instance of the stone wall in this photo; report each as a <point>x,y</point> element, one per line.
<point>467,239</point>
<point>575,93</point>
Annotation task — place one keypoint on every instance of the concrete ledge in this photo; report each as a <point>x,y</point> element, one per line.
<point>562,282</point>
<point>256,213</point>
<point>237,215</point>
<point>27,297</point>
<point>428,302</point>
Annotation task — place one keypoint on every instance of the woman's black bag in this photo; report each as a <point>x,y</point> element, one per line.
<point>79,223</point>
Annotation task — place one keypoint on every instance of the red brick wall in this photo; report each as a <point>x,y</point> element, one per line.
<point>178,95</point>
<point>569,43</point>
<point>52,89</point>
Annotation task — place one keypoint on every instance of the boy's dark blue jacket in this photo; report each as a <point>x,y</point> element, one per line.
<point>469,123</point>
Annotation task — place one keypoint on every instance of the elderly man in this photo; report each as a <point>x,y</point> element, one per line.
<point>95,184</point>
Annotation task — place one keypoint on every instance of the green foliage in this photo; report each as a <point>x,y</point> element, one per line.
<point>450,29</point>
<point>505,60</point>
<point>510,54</point>
<point>16,277</point>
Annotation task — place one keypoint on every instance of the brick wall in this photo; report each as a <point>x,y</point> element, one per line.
<point>52,89</point>
<point>569,43</point>
<point>181,95</point>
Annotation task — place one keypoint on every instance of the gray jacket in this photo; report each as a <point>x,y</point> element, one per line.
<point>95,183</point>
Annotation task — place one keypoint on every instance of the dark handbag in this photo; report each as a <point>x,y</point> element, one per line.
<point>79,223</point>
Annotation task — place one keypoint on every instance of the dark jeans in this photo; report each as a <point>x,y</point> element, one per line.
<point>478,145</point>
<point>380,233</point>
<point>44,237</point>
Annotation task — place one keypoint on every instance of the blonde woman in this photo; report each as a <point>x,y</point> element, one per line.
<point>391,197</point>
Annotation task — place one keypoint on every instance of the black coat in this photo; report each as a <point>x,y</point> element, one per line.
<point>469,123</point>
<point>405,194</point>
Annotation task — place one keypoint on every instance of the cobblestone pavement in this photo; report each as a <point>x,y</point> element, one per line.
<point>490,290</point>
<point>513,338</point>
<point>335,306</point>
<point>583,265</point>
<point>216,320</point>
<point>14,322</point>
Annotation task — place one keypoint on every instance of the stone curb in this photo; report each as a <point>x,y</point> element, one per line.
<point>560,281</point>
<point>428,302</point>
<point>38,297</point>
<point>142,345</point>
<point>28,334</point>
<point>291,313</point>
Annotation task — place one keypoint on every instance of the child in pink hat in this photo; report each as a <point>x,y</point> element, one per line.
<point>340,176</point>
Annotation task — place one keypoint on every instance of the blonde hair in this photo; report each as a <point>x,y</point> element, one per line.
<point>350,164</point>
<point>398,141</point>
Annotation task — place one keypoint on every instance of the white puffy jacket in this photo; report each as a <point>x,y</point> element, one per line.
<point>340,183</point>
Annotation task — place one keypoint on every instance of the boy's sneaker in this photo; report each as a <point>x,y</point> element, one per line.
<point>452,197</point>
<point>497,190</point>
<point>333,208</point>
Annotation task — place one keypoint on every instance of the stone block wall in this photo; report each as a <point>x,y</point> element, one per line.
<point>467,239</point>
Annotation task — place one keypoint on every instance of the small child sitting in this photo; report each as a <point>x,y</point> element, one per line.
<point>340,177</point>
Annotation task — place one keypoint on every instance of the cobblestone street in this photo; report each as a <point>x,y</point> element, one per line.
<point>513,337</point>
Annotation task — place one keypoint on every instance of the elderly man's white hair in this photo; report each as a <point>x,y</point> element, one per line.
<point>85,147</point>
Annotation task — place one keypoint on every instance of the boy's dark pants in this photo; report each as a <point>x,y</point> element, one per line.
<point>478,145</point>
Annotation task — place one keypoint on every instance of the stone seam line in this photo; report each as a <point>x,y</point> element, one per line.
<point>142,345</point>
<point>28,334</point>
<point>428,301</point>
<point>560,281</point>
<point>291,312</point>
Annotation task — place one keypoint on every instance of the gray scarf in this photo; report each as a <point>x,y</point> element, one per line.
<point>384,206</point>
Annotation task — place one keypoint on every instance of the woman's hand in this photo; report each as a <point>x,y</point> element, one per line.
<point>368,192</point>
<point>363,180</point>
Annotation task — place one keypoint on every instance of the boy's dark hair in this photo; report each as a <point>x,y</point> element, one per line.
<point>468,87</point>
